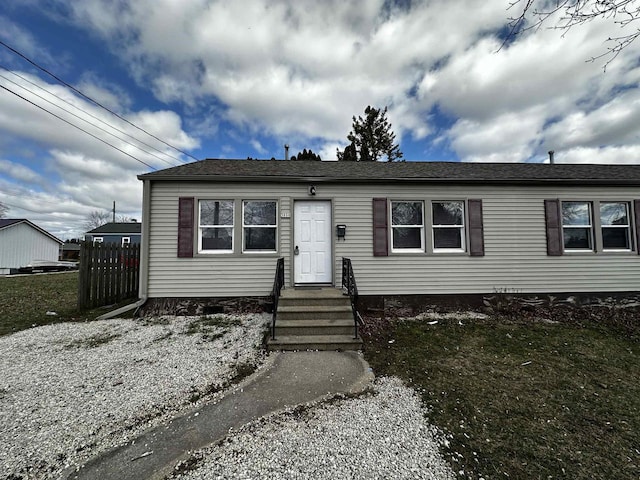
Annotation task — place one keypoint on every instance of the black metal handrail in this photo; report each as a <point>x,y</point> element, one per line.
<point>278,283</point>
<point>350,288</point>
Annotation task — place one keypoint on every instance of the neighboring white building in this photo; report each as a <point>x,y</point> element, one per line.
<point>216,228</point>
<point>22,242</point>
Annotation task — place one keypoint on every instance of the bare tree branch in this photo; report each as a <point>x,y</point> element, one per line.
<point>96,219</point>
<point>577,13</point>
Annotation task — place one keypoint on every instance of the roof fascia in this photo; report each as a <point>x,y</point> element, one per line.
<point>124,234</point>
<point>387,180</point>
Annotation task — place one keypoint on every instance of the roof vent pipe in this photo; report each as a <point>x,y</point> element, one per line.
<point>551,152</point>
<point>286,151</point>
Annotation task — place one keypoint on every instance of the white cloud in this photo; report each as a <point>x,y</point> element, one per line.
<point>628,154</point>
<point>291,67</point>
<point>302,68</point>
<point>257,146</point>
<point>37,125</point>
<point>507,138</point>
<point>21,173</point>
<point>23,41</point>
<point>269,72</point>
<point>40,125</point>
<point>83,174</point>
<point>614,122</point>
<point>106,93</point>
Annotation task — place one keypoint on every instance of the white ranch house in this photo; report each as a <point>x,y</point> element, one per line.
<point>215,228</point>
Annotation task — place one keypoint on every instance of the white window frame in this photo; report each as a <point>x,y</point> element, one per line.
<point>588,226</point>
<point>627,226</point>
<point>462,228</point>
<point>126,241</point>
<point>202,226</point>
<point>393,226</point>
<point>98,240</point>
<point>274,226</point>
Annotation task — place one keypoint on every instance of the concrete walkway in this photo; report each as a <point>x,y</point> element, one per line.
<point>287,380</point>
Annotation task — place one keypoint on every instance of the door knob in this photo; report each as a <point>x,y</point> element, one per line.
<point>296,251</point>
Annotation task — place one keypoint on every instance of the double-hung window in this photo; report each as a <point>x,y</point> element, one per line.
<point>577,226</point>
<point>215,226</point>
<point>616,227</point>
<point>126,241</point>
<point>98,240</point>
<point>407,226</point>
<point>259,225</point>
<point>448,226</point>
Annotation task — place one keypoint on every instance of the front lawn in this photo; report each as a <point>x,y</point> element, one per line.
<point>522,399</point>
<point>26,299</point>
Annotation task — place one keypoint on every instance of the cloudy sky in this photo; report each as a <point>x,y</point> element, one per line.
<point>232,79</point>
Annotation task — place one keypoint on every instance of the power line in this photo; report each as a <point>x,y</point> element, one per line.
<point>91,99</point>
<point>86,121</point>
<point>21,208</point>
<point>32,196</point>
<point>88,113</point>
<point>75,126</point>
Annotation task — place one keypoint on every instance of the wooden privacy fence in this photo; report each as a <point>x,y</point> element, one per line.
<point>109,273</point>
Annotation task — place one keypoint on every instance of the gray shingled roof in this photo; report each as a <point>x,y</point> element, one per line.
<point>117,228</point>
<point>5,222</point>
<point>384,172</point>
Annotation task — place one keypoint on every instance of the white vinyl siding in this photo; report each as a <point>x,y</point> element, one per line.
<point>514,238</point>
<point>20,244</point>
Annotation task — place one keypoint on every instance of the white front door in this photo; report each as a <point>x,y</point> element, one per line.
<point>312,242</point>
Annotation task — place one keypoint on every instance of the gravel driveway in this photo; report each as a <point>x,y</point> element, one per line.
<point>70,391</point>
<point>383,435</point>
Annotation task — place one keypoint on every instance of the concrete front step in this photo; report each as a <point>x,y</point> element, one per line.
<point>314,319</point>
<point>303,297</point>
<point>332,301</point>
<point>315,327</point>
<point>315,342</point>
<point>314,312</point>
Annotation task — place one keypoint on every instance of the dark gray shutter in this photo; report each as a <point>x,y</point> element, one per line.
<point>380,231</point>
<point>185,227</point>
<point>554,227</point>
<point>636,214</point>
<point>476,228</point>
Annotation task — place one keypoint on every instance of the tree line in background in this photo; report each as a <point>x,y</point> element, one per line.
<point>3,210</point>
<point>306,155</point>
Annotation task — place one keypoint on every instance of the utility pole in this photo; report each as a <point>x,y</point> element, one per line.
<point>114,212</point>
